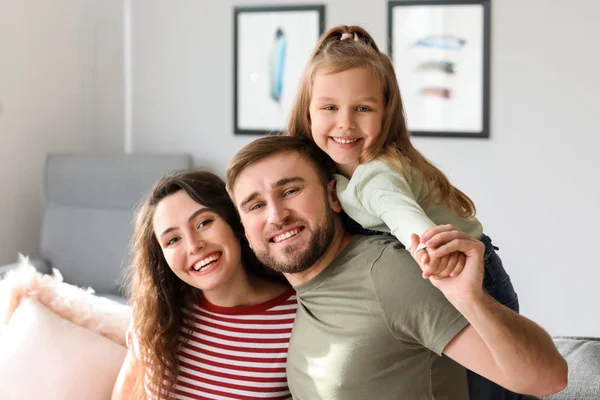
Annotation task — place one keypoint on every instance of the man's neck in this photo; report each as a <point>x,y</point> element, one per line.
<point>337,245</point>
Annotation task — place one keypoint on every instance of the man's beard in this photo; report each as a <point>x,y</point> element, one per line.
<point>297,259</point>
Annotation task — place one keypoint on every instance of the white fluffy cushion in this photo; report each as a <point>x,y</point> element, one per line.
<point>44,356</point>
<point>57,341</point>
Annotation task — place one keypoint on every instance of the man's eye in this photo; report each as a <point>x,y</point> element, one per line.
<point>289,192</point>
<point>255,206</point>
<point>363,109</point>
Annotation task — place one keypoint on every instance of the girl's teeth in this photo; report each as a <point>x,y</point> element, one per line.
<point>344,141</point>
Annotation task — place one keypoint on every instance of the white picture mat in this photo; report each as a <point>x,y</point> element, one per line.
<point>464,111</point>
<point>256,30</point>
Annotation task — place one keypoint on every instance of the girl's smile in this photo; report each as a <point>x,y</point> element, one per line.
<point>346,113</point>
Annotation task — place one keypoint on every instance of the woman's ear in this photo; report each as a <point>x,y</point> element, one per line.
<point>332,197</point>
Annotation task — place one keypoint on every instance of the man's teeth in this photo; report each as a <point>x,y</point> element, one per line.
<point>344,141</point>
<point>203,264</point>
<point>286,235</point>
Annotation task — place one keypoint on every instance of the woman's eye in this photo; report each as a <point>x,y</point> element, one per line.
<point>204,223</point>
<point>172,241</point>
<point>363,108</point>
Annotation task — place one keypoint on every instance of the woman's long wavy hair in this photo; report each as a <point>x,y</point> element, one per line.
<point>333,55</point>
<point>158,296</point>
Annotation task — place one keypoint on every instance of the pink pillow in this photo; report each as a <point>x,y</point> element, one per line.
<point>44,356</point>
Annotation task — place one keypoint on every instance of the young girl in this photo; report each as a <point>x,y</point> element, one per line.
<point>208,320</point>
<point>349,104</point>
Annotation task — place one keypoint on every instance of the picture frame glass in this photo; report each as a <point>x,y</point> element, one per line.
<point>272,49</point>
<point>438,55</point>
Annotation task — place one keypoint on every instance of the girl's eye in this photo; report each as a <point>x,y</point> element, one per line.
<point>363,109</point>
<point>329,108</point>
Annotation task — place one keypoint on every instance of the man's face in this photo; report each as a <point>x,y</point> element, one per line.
<point>287,213</point>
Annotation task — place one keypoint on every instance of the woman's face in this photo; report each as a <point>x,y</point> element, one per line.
<point>198,244</point>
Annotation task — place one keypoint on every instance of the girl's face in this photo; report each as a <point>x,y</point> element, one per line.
<point>346,113</point>
<point>198,244</point>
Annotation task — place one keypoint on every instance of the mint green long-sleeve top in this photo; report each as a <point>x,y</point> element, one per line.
<point>379,198</point>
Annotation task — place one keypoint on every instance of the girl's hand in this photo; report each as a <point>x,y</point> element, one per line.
<point>444,240</point>
<point>449,265</point>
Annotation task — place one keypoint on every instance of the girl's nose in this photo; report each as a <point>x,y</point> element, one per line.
<point>346,122</point>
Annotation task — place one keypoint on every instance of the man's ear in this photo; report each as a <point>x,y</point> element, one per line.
<point>332,197</point>
<point>247,239</point>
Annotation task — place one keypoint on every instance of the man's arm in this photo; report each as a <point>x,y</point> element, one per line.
<point>508,349</point>
<point>499,344</point>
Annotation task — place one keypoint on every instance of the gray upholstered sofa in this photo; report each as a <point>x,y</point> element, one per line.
<point>583,356</point>
<point>89,202</point>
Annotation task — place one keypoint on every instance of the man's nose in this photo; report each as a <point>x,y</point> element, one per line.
<point>278,212</point>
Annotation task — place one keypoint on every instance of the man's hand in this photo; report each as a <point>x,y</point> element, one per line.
<point>444,240</point>
<point>447,266</point>
<point>499,344</point>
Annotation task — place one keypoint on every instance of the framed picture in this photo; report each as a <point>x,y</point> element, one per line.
<point>441,53</point>
<point>271,48</point>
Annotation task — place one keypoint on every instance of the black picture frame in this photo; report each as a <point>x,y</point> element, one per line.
<point>429,37</point>
<point>271,47</point>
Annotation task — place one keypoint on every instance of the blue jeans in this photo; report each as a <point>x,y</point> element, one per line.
<point>497,284</point>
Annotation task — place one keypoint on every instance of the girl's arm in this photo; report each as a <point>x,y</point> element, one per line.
<point>129,383</point>
<point>385,193</point>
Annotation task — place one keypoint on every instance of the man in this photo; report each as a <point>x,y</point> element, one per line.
<point>368,325</point>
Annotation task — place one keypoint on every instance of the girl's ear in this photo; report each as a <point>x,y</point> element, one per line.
<point>332,197</point>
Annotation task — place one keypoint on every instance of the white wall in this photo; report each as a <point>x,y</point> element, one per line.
<point>55,83</point>
<point>532,180</point>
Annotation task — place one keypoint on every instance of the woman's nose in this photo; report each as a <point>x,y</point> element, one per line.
<point>195,244</point>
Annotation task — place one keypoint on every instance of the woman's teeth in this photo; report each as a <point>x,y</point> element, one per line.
<point>344,141</point>
<point>286,235</point>
<point>204,263</point>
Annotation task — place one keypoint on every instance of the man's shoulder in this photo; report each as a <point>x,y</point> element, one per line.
<point>375,242</point>
<point>385,246</point>
<point>379,255</point>
<point>387,260</point>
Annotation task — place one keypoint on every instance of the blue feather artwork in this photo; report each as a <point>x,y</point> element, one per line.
<point>277,65</point>
<point>444,42</point>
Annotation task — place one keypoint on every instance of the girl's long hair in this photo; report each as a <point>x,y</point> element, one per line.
<point>157,295</point>
<point>333,55</point>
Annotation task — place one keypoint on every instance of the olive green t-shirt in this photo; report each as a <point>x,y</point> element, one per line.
<point>370,327</point>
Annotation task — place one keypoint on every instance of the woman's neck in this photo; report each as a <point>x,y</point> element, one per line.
<point>244,290</point>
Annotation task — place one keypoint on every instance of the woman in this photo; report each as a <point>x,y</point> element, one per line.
<point>208,320</point>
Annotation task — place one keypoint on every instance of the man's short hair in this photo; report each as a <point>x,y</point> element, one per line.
<point>268,146</point>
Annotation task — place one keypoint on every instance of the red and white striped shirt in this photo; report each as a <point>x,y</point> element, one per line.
<point>235,352</point>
